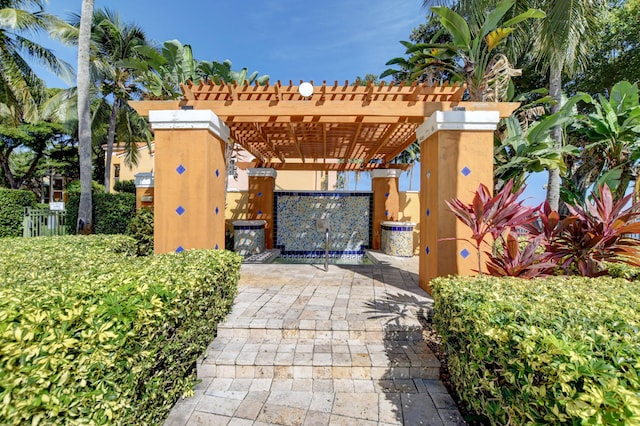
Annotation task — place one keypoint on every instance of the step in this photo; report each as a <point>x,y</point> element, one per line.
<point>335,402</point>
<point>317,358</point>
<point>372,331</point>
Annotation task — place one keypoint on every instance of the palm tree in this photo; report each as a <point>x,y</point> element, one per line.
<point>85,219</point>
<point>114,45</point>
<point>20,87</point>
<point>561,43</point>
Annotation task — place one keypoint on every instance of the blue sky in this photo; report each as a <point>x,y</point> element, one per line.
<point>286,39</point>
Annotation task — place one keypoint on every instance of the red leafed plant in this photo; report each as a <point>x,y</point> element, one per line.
<point>491,215</point>
<point>583,242</point>
<point>510,261</point>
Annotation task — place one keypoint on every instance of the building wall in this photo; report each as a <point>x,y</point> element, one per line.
<point>128,172</point>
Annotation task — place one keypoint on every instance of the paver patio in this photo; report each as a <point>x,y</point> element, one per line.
<point>307,347</point>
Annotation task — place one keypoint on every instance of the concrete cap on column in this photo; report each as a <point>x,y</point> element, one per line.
<point>189,119</point>
<point>144,180</point>
<point>458,120</point>
<point>261,172</point>
<point>385,173</point>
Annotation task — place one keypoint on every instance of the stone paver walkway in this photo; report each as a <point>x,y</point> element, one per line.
<point>307,347</point>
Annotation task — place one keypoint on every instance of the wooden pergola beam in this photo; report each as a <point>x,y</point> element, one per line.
<point>389,133</point>
<point>317,166</point>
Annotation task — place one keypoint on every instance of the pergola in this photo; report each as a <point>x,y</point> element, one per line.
<point>338,127</point>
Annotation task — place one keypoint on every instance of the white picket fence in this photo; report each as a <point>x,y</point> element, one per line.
<point>43,222</point>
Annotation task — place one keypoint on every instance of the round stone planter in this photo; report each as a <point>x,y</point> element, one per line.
<point>396,238</point>
<point>248,237</point>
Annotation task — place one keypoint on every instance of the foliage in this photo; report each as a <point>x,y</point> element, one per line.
<point>613,132</point>
<point>545,351</point>
<point>582,243</point>
<point>112,213</point>
<point>162,72</point>
<point>141,229</point>
<point>26,148</point>
<point>20,88</point>
<point>489,215</point>
<point>595,234</point>
<point>12,204</point>
<point>615,53</point>
<point>511,261</point>
<point>90,336</point>
<point>622,270</point>
<point>128,186</point>
<point>74,187</point>
<point>522,147</point>
<point>473,55</point>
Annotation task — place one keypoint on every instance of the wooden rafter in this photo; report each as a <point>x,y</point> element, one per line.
<point>338,121</point>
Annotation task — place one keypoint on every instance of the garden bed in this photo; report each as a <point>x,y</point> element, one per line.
<point>557,350</point>
<point>90,334</point>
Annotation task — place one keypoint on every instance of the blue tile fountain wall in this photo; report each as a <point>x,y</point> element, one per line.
<point>349,215</point>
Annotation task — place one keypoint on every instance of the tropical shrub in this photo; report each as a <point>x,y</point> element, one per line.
<point>90,335</point>
<point>128,186</point>
<point>592,236</point>
<point>545,351</point>
<point>583,243</point>
<point>490,216</point>
<point>73,187</point>
<point>12,204</point>
<point>141,229</point>
<point>112,213</point>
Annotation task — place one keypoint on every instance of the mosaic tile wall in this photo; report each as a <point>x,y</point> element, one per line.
<point>349,215</point>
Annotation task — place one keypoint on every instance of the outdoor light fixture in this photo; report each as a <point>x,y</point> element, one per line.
<point>305,89</point>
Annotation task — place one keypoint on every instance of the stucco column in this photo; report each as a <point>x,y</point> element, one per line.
<point>386,200</point>
<point>144,189</point>
<point>189,180</point>
<point>262,182</point>
<point>456,152</point>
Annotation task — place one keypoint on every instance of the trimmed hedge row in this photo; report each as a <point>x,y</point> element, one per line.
<point>91,335</point>
<point>12,204</point>
<point>553,351</point>
<point>112,213</point>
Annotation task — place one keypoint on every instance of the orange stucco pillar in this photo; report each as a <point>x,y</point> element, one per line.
<point>189,180</point>
<point>456,152</point>
<point>386,200</point>
<point>262,182</point>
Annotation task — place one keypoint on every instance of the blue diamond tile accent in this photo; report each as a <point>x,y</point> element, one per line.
<point>386,195</point>
<point>386,213</point>
<point>216,247</point>
<point>217,210</point>
<point>181,169</point>
<point>465,171</point>
<point>464,253</point>
<point>259,211</point>
<point>259,194</point>
<point>180,210</point>
<point>428,212</point>
<point>180,249</point>
<point>427,250</point>
<point>217,173</point>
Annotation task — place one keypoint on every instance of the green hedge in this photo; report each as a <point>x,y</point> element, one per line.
<point>552,351</point>
<point>112,213</point>
<point>141,229</point>
<point>12,204</point>
<point>91,335</point>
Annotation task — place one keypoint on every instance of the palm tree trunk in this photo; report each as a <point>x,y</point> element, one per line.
<point>85,219</point>
<point>111,136</point>
<point>555,91</point>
